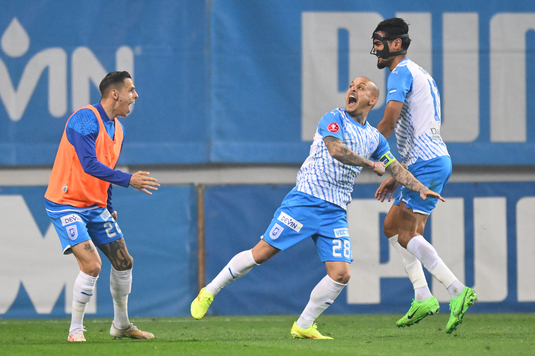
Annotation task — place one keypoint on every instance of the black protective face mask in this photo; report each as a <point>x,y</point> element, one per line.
<point>385,52</point>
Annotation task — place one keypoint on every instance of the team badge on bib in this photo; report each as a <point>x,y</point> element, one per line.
<point>333,127</point>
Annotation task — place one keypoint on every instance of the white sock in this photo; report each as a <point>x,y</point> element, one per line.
<point>414,270</point>
<point>455,289</point>
<point>120,287</point>
<point>322,296</point>
<point>237,267</point>
<point>427,254</point>
<point>84,285</point>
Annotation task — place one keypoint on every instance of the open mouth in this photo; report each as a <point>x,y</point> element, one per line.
<point>352,100</point>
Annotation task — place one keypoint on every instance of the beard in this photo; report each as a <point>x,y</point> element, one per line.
<point>381,65</point>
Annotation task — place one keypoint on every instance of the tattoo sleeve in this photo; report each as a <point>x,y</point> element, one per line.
<point>404,177</point>
<point>117,254</point>
<point>340,152</point>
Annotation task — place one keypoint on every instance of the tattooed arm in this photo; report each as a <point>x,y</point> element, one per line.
<point>405,178</point>
<point>342,153</point>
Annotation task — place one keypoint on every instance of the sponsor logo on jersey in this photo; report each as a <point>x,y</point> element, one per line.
<point>276,231</point>
<point>333,127</point>
<point>341,232</point>
<point>70,219</point>
<point>290,222</point>
<point>72,231</point>
<point>434,128</point>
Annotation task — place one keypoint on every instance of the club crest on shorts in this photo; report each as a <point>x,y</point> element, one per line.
<point>72,231</point>
<point>276,231</point>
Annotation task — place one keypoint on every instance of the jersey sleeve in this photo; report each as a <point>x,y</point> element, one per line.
<point>382,153</point>
<point>382,148</point>
<point>331,125</point>
<point>82,132</point>
<point>399,84</point>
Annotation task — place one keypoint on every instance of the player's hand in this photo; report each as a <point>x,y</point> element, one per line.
<point>424,193</point>
<point>379,168</point>
<point>140,180</point>
<point>386,188</point>
<point>114,215</point>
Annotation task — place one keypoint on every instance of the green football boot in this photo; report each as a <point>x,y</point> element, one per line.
<point>458,306</point>
<point>418,311</point>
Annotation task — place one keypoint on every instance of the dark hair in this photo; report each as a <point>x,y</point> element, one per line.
<point>113,79</point>
<point>393,27</point>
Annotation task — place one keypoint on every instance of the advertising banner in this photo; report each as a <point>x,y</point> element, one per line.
<point>160,231</point>
<point>233,81</point>
<point>482,232</point>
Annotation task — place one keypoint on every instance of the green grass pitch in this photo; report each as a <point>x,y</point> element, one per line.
<point>480,334</point>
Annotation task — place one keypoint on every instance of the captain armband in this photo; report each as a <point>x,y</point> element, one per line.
<point>387,158</point>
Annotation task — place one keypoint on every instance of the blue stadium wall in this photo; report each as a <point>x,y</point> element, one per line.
<point>241,82</point>
<point>238,81</point>
<point>483,232</point>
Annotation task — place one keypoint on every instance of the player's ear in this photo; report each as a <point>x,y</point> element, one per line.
<point>373,101</point>
<point>398,43</point>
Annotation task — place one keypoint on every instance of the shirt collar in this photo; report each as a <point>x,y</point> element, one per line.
<point>101,111</point>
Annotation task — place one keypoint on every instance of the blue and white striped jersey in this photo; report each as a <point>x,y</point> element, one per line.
<point>418,128</point>
<point>326,178</point>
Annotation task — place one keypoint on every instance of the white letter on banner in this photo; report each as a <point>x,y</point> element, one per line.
<point>508,76</point>
<point>447,237</point>
<point>319,80</point>
<point>490,249</point>
<point>460,120</point>
<point>15,43</point>
<point>35,261</point>
<point>86,69</point>
<point>15,101</point>
<point>525,249</point>
<point>366,269</point>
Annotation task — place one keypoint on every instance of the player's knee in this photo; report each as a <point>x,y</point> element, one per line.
<point>404,238</point>
<point>389,229</point>
<point>92,268</point>
<point>124,264</point>
<point>344,278</point>
<point>341,276</point>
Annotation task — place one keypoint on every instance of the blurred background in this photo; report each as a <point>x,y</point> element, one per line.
<point>230,93</point>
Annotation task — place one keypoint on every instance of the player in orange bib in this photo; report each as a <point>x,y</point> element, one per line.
<point>78,201</point>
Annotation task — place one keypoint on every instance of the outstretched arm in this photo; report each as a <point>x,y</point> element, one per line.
<point>342,153</point>
<point>405,178</point>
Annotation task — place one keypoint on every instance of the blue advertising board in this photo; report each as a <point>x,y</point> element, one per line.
<point>160,230</point>
<point>279,66</point>
<point>483,233</point>
<point>238,81</point>
<point>54,54</point>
